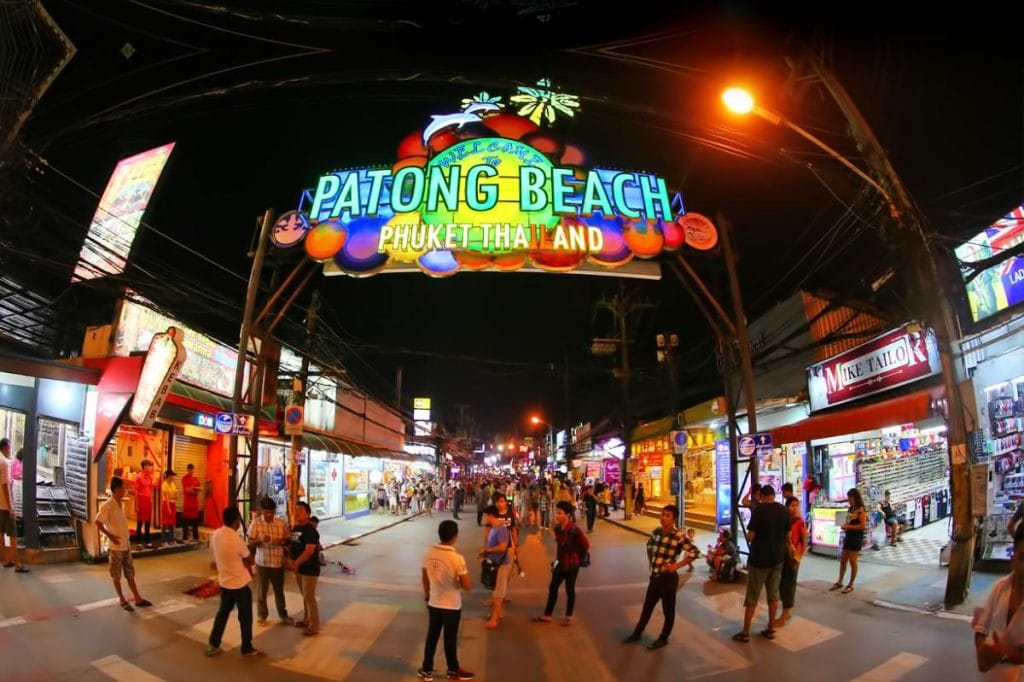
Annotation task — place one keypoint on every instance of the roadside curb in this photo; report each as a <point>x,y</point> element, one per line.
<point>372,531</point>
<point>924,612</point>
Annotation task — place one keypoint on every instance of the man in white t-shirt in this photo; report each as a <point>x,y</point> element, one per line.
<point>234,573</point>
<point>444,573</point>
<point>111,521</point>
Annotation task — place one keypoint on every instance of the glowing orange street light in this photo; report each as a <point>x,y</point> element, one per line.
<point>740,101</point>
<point>536,420</point>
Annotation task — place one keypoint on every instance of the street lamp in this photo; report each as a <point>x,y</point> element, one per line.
<point>549,446</point>
<point>938,308</point>
<point>741,102</point>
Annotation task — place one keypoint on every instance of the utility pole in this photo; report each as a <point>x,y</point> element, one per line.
<point>668,347</point>
<point>938,312</point>
<point>621,307</point>
<point>243,352</point>
<point>299,387</point>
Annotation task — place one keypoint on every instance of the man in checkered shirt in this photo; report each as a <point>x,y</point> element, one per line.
<point>663,549</point>
<point>268,536</point>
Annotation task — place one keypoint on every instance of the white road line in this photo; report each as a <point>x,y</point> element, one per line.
<point>57,578</point>
<point>893,669</point>
<point>231,639</point>
<point>692,652</point>
<point>17,620</point>
<point>97,604</point>
<point>585,661</point>
<point>802,633</point>
<point>342,641</point>
<point>117,668</point>
<point>168,607</point>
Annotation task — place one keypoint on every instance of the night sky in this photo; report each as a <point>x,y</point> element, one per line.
<point>259,107</point>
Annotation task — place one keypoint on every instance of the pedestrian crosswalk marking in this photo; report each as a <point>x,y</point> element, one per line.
<point>200,632</point>
<point>10,622</point>
<point>98,604</point>
<point>569,653</point>
<point>691,651</point>
<point>57,578</point>
<point>803,633</point>
<point>893,669</point>
<point>119,669</point>
<point>166,608</point>
<point>342,641</point>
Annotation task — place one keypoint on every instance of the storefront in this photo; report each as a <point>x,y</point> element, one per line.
<point>993,361</point>
<point>651,450</point>
<point>896,444</point>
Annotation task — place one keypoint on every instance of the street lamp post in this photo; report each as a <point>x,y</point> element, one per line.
<point>937,308</point>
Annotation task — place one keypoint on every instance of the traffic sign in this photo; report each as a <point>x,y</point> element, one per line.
<point>747,445</point>
<point>763,439</point>
<point>234,424</point>
<point>680,441</point>
<point>293,420</point>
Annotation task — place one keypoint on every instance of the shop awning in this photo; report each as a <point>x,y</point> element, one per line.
<point>658,427</point>
<point>902,410</point>
<point>208,399</point>
<point>341,446</point>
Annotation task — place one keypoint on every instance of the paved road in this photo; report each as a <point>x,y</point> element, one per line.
<point>61,624</point>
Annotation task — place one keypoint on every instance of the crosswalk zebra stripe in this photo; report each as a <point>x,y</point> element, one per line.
<point>119,669</point>
<point>342,641</point>
<point>893,669</point>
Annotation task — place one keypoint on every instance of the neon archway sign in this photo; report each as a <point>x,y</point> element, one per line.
<point>486,189</point>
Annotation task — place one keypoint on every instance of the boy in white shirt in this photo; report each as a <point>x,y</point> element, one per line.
<point>444,573</point>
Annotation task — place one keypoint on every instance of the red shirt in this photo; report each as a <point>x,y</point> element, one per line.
<point>798,533</point>
<point>190,501</point>
<point>571,542</point>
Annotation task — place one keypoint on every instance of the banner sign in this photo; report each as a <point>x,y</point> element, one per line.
<point>1000,286</point>
<point>483,188</point>
<point>899,357</point>
<point>164,360</point>
<point>723,483</point>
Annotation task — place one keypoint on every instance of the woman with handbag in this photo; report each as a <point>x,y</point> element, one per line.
<point>572,546</point>
<point>496,564</point>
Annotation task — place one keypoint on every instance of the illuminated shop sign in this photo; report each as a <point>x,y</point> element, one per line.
<point>210,364</point>
<point>487,189</point>
<point>999,286</point>
<point>899,357</point>
<point>165,358</point>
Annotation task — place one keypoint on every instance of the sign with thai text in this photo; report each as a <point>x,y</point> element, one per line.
<point>899,357</point>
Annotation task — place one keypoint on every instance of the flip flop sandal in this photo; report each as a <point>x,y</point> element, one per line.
<point>566,622</point>
<point>768,634</point>
<point>741,637</point>
<point>21,569</point>
<point>541,619</point>
<point>144,602</point>
<point>8,564</point>
<point>310,633</point>
<point>848,589</point>
<point>126,606</point>
<point>835,587</point>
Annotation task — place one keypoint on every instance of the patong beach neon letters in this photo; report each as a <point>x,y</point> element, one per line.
<point>487,189</point>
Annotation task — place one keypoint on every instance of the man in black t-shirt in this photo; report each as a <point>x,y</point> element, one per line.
<point>305,561</point>
<point>766,533</point>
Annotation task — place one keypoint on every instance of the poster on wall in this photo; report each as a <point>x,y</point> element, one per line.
<point>894,359</point>
<point>999,286</point>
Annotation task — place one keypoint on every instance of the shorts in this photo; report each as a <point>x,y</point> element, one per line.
<point>7,525</point>
<point>501,584</point>
<point>758,578</point>
<point>121,563</point>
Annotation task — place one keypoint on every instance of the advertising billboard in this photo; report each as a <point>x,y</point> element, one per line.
<point>210,365</point>
<point>893,359</point>
<point>117,218</point>
<point>1000,286</point>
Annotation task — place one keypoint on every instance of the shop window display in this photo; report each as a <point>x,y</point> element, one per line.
<point>1003,450</point>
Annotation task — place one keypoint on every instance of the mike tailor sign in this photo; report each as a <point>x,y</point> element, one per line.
<point>896,358</point>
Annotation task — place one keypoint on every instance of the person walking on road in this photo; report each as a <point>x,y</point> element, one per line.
<point>766,533</point>
<point>457,499</point>
<point>663,549</point>
<point>590,507</point>
<point>305,562</point>
<point>498,549</point>
<point>571,543</point>
<point>796,544</point>
<point>234,573</point>
<point>853,540</point>
<point>268,536</point>
<point>443,574</point>
<point>483,496</point>
<point>111,521</point>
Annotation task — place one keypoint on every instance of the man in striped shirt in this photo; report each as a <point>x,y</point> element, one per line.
<point>268,536</point>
